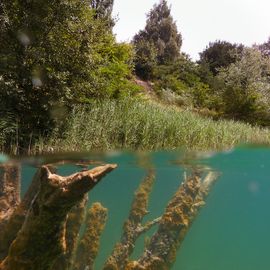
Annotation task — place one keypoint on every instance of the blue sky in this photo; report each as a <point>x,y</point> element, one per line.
<point>201,21</point>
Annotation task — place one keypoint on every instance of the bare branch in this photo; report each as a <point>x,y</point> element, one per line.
<point>132,227</point>
<point>89,244</point>
<point>42,237</point>
<point>9,189</point>
<point>175,223</point>
<point>72,228</point>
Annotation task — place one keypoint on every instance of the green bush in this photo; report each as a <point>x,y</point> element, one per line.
<point>246,87</point>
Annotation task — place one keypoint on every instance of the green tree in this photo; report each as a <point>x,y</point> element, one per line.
<point>182,79</point>
<point>145,58</point>
<point>53,54</point>
<point>246,91</point>
<point>103,10</point>
<point>265,48</point>
<point>219,54</point>
<point>160,41</point>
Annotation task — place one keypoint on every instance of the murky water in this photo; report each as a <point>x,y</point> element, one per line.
<point>231,231</point>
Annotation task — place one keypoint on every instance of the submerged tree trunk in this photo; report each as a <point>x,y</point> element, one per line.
<point>41,232</point>
<point>9,200</point>
<point>17,214</point>
<point>41,238</point>
<point>88,247</point>
<point>133,226</point>
<point>73,224</point>
<point>9,190</point>
<point>175,223</point>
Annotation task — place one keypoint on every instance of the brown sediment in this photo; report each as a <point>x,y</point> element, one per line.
<point>133,226</point>
<point>175,223</point>
<point>41,238</point>
<point>89,244</point>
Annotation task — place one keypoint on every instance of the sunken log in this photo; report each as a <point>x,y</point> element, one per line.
<point>175,223</point>
<point>10,177</point>
<point>88,247</point>
<point>133,226</point>
<point>73,225</point>
<point>17,213</point>
<point>41,238</point>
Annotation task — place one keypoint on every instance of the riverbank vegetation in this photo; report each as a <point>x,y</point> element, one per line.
<point>136,124</point>
<point>67,84</point>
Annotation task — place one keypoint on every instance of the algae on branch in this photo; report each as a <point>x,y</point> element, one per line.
<point>42,236</point>
<point>41,232</point>
<point>160,252</point>
<point>133,226</point>
<point>175,222</point>
<point>88,247</point>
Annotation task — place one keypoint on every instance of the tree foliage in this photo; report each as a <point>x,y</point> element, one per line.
<point>219,54</point>
<point>103,10</point>
<point>246,92</point>
<point>160,42</point>
<point>146,58</point>
<point>54,54</point>
<point>183,79</point>
<point>265,48</point>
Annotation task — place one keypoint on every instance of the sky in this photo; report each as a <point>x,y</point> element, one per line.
<point>200,21</point>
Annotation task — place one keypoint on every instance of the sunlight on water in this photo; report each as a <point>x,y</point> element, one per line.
<point>229,230</point>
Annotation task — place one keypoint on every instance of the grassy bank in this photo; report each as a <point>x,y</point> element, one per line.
<point>131,124</point>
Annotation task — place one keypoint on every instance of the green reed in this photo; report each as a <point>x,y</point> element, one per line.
<point>135,124</point>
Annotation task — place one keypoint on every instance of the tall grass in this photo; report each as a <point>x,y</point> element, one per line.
<point>132,124</point>
<point>8,132</point>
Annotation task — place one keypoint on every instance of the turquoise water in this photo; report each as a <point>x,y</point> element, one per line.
<point>231,230</point>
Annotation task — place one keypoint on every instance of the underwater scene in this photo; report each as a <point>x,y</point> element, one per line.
<point>136,210</point>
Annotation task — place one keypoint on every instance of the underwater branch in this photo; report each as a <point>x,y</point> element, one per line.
<point>41,238</point>
<point>175,223</point>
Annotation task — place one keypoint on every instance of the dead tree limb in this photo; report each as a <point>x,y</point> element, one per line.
<point>15,219</point>
<point>9,190</point>
<point>42,237</point>
<point>175,223</point>
<point>9,200</point>
<point>133,226</point>
<point>73,224</point>
<point>89,244</point>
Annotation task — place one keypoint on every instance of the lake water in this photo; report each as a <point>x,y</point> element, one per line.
<point>230,232</point>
